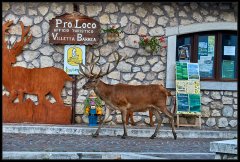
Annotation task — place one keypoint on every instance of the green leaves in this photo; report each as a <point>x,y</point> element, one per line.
<point>154,43</point>
<point>112,30</point>
<point>98,102</point>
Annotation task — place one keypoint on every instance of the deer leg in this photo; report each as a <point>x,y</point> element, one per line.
<point>131,118</point>
<point>21,97</point>
<point>124,113</point>
<point>171,119</point>
<point>127,117</point>
<point>13,95</point>
<point>151,118</point>
<point>41,98</point>
<point>57,96</point>
<point>159,122</point>
<point>101,122</point>
<point>130,115</point>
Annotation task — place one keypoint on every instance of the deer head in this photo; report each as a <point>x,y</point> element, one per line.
<point>93,79</point>
<point>12,52</point>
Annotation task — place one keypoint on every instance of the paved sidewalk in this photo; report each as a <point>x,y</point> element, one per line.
<point>194,148</point>
<point>75,142</point>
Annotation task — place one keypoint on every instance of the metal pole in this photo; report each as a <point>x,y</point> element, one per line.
<point>73,98</point>
<point>74,87</point>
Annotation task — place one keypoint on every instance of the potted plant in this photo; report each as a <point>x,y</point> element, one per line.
<point>152,44</point>
<point>112,33</point>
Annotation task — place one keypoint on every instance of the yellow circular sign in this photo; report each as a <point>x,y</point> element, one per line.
<point>74,56</point>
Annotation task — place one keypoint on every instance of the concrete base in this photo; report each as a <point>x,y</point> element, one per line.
<point>226,149</point>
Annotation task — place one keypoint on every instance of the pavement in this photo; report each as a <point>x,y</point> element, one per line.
<point>26,141</point>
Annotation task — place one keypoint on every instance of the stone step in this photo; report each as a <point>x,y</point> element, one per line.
<point>114,131</point>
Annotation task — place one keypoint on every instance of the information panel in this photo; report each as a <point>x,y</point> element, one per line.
<point>73,56</point>
<point>188,95</point>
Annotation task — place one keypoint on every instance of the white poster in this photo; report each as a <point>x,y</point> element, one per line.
<point>229,50</point>
<point>73,56</point>
<point>202,44</point>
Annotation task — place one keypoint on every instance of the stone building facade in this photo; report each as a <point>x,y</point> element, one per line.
<point>219,107</point>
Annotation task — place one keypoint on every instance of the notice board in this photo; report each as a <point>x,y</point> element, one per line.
<point>188,96</point>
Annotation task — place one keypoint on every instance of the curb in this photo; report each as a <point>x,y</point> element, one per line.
<point>133,132</point>
<point>75,155</point>
<point>103,155</point>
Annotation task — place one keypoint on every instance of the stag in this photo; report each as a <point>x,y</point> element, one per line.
<point>19,80</point>
<point>124,97</point>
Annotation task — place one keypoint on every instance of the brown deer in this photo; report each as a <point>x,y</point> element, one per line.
<point>124,97</point>
<point>130,114</point>
<point>19,80</point>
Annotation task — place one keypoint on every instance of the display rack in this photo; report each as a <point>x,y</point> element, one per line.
<point>197,124</point>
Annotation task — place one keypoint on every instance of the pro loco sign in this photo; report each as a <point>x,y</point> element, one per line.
<point>74,29</point>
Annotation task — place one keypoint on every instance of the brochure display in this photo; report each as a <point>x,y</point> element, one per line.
<point>188,97</point>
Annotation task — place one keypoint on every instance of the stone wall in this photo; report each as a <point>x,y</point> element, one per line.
<point>219,108</point>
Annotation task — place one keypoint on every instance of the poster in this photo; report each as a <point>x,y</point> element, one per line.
<point>193,71</point>
<point>206,66</point>
<point>194,102</point>
<point>181,71</point>
<point>211,45</point>
<point>202,49</point>
<point>193,87</point>
<point>73,56</point>
<point>181,86</point>
<point>184,53</point>
<point>229,50</point>
<point>228,69</point>
<point>182,103</point>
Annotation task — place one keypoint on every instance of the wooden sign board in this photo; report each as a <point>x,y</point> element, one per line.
<point>74,28</point>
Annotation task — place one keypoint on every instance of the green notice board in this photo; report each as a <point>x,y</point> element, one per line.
<point>181,71</point>
<point>228,69</point>
<point>188,95</point>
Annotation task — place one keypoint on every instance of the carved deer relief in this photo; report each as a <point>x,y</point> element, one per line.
<point>19,80</point>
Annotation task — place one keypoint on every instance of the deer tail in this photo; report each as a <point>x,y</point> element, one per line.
<point>168,93</point>
<point>68,78</point>
<point>173,100</point>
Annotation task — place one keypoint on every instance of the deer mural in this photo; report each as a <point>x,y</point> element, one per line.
<point>19,80</point>
<point>124,97</point>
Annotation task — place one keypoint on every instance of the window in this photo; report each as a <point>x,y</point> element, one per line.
<point>215,51</point>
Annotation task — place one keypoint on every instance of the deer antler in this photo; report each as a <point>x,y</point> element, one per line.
<point>5,27</point>
<point>100,74</point>
<point>91,64</point>
<point>18,47</point>
<point>82,71</point>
